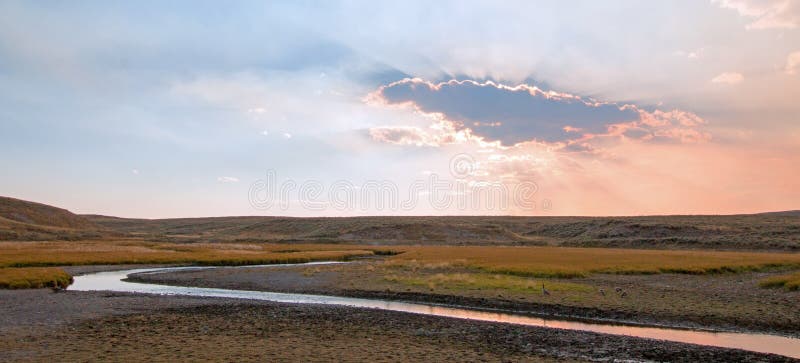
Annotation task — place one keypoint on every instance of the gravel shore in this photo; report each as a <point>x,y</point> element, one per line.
<point>40,325</point>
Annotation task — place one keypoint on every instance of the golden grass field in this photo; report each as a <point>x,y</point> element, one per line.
<point>32,254</point>
<point>480,265</point>
<point>566,262</point>
<point>33,277</point>
<point>24,264</point>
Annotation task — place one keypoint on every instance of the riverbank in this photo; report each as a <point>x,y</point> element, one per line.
<point>730,302</point>
<point>39,325</point>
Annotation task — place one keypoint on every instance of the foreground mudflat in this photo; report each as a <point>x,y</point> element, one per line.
<point>38,325</point>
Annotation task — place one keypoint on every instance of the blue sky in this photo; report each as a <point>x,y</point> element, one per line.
<point>159,109</point>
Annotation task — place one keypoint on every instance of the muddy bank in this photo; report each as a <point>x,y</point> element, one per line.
<point>39,325</point>
<point>726,302</point>
<point>87,269</point>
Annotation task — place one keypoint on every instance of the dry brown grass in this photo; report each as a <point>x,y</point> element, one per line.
<point>483,281</point>
<point>22,211</point>
<point>789,282</point>
<point>519,261</point>
<point>23,264</point>
<point>33,277</point>
<point>28,254</point>
<point>580,262</point>
<point>741,232</point>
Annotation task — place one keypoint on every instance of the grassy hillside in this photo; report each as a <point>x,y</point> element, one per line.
<point>22,211</point>
<point>23,220</point>
<point>756,232</point>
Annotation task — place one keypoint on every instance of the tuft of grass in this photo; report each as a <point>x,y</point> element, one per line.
<point>386,252</point>
<point>789,282</point>
<point>33,278</point>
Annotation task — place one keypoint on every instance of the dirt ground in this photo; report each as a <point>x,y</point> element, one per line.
<point>42,326</point>
<point>724,301</point>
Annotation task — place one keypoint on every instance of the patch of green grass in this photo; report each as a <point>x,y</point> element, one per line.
<point>484,281</point>
<point>541,272</point>
<point>789,282</point>
<point>33,278</point>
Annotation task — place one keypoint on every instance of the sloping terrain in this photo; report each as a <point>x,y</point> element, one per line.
<point>24,220</point>
<point>753,232</point>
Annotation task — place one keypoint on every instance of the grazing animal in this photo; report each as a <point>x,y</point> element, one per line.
<point>618,289</point>
<point>544,291</point>
<point>623,294</point>
<point>602,292</point>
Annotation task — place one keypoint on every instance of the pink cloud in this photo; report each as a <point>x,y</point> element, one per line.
<point>793,63</point>
<point>728,78</point>
<point>766,14</point>
<point>638,178</point>
<point>636,167</point>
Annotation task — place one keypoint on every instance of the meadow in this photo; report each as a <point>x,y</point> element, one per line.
<point>460,281</point>
<point>774,232</point>
<point>564,262</point>
<point>695,288</point>
<point>463,265</point>
<point>38,254</point>
<point>29,264</point>
<point>33,277</point>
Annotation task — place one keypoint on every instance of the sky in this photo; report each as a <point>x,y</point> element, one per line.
<point>158,109</point>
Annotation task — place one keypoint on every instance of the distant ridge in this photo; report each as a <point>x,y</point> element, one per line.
<point>760,232</point>
<point>23,220</point>
<point>786,213</point>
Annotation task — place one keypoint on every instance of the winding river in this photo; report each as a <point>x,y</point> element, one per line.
<point>764,343</point>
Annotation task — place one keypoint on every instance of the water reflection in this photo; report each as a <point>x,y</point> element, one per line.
<point>112,281</point>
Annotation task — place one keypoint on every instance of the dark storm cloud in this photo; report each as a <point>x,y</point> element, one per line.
<point>509,114</point>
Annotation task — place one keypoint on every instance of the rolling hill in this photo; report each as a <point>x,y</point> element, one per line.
<point>735,232</point>
<point>23,220</point>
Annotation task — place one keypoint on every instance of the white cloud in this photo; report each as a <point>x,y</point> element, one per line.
<point>728,78</point>
<point>693,54</point>
<point>265,133</point>
<point>440,133</point>
<point>227,179</point>
<point>135,171</point>
<point>793,63</point>
<point>275,100</point>
<point>766,14</point>
<point>287,135</point>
